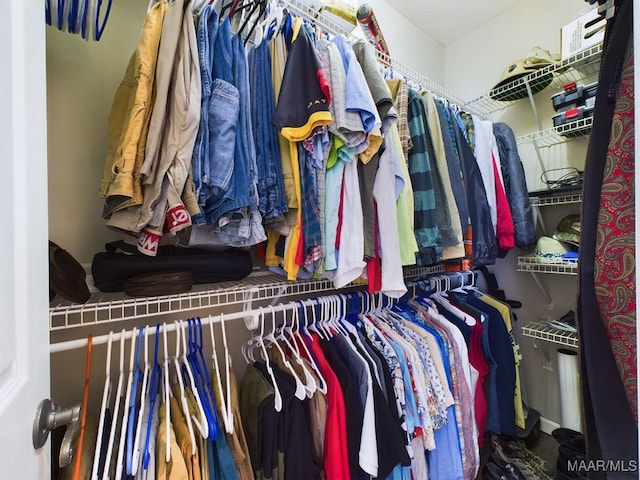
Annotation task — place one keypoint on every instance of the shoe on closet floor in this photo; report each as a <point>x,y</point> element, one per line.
<point>66,276</point>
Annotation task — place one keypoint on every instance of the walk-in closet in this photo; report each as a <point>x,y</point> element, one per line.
<point>305,239</point>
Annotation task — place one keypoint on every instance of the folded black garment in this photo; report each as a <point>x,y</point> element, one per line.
<point>111,269</point>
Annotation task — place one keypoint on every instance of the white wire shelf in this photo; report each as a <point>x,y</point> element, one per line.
<point>557,135</point>
<point>529,264</point>
<point>582,65</point>
<point>104,308</point>
<point>555,200</point>
<point>542,331</point>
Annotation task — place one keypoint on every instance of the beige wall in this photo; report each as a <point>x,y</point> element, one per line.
<point>485,52</point>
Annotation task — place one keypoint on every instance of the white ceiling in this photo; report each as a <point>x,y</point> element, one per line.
<point>447,20</point>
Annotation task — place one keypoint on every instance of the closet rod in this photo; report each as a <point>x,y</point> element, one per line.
<point>170,326</point>
<point>281,307</point>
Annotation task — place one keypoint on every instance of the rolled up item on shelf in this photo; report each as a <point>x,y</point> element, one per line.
<point>569,377</point>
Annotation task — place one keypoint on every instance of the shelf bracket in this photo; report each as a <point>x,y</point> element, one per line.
<point>543,290</point>
<point>539,124</point>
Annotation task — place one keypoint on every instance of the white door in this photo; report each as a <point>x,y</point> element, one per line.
<point>24,332</point>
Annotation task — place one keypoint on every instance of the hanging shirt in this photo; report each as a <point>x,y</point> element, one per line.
<point>505,312</point>
<point>351,253</point>
<point>426,228</point>
<point>339,155</point>
<point>129,118</point>
<point>176,468</point>
<point>358,96</point>
<point>183,438</point>
<point>455,250</point>
<point>336,465</point>
<point>347,123</point>
<point>484,139</point>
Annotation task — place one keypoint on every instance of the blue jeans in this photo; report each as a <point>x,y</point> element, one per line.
<point>271,194</point>
<point>242,192</point>
<point>206,33</point>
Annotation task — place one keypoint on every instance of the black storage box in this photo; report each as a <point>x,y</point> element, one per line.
<point>112,269</point>
<point>562,121</point>
<point>574,96</point>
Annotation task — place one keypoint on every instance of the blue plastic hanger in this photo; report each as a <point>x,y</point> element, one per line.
<point>200,380</point>
<point>99,27</point>
<point>154,388</point>
<point>131,426</point>
<point>72,19</point>
<point>197,326</point>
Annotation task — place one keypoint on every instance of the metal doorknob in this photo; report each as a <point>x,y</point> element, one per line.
<point>50,416</point>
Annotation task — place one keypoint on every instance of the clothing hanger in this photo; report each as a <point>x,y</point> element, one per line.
<point>323,384</point>
<point>144,392</point>
<point>300,387</point>
<point>201,423</point>
<point>106,391</point>
<point>275,15</point>
<point>313,326</point>
<point>183,398</point>
<point>83,411</point>
<point>120,464</point>
<point>277,400</point>
<point>131,425</point>
<point>166,391</point>
<point>116,411</point>
<point>260,6</point>
<point>98,26</point>
<point>225,394</point>
<point>155,380</point>
<point>206,377</point>
<point>200,375</point>
<point>323,317</point>
<point>309,381</point>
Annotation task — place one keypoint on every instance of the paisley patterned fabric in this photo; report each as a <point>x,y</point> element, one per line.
<point>614,268</point>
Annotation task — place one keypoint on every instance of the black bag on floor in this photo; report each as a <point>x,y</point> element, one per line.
<point>121,261</point>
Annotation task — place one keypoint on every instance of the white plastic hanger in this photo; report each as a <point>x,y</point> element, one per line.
<point>116,412</point>
<point>314,324</point>
<point>310,385</point>
<point>137,447</point>
<point>106,397</point>
<point>323,383</point>
<point>183,397</point>
<point>225,394</point>
<point>125,414</point>
<point>201,422</point>
<point>300,390</point>
<point>277,400</point>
